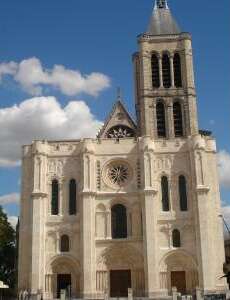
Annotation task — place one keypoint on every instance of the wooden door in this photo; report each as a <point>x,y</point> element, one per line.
<point>178,280</point>
<point>120,282</point>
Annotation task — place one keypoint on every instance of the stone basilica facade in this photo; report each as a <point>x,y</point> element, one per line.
<point>137,207</point>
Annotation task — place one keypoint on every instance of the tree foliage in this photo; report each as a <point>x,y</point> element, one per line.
<point>7,251</point>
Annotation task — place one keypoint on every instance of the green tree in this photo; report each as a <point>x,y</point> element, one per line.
<point>7,251</point>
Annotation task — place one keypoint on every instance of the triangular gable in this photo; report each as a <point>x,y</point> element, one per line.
<point>118,116</point>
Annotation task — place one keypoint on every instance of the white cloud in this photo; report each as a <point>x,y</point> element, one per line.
<point>9,68</point>
<point>42,118</point>
<point>13,220</point>
<point>224,168</point>
<point>9,198</point>
<point>32,77</point>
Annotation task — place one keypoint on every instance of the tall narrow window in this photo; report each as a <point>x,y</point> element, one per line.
<point>72,197</point>
<point>155,72</point>
<point>55,198</point>
<point>178,122</point>
<point>176,238</point>
<point>177,70</point>
<point>165,193</point>
<point>160,112</point>
<point>166,71</point>
<point>119,222</point>
<point>64,243</point>
<point>183,193</point>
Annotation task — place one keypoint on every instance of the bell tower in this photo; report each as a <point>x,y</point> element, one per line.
<point>164,79</point>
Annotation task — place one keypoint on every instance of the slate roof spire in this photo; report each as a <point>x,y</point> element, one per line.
<point>161,4</point>
<point>162,22</point>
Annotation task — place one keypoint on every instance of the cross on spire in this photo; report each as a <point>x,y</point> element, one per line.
<point>161,4</point>
<point>119,93</point>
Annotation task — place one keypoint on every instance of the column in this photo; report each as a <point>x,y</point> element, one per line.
<point>205,273</point>
<point>155,134</point>
<point>160,71</point>
<point>150,244</point>
<point>172,71</point>
<point>88,245</point>
<point>108,225</point>
<point>170,120</point>
<point>37,242</point>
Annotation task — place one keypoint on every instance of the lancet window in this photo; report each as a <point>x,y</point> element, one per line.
<point>55,197</point>
<point>155,72</point>
<point>72,197</point>
<point>165,193</point>
<point>64,245</point>
<point>178,121</point>
<point>176,239</point>
<point>177,70</point>
<point>119,221</point>
<point>160,113</point>
<point>166,71</point>
<point>183,193</point>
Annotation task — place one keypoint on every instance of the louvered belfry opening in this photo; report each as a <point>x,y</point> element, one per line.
<point>161,127</point>
<point>178,122</point>
<point>155,72</point>
<point>166,71</point>
<point>177,70</point>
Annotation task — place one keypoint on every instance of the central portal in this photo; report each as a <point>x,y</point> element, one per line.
<point>120,282</point>
<point>178,280</point>
<point>63,283</point>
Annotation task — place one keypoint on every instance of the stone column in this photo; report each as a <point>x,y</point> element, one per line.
<point>37,278</point>
<point>155,133</point>
<point>108,225</point>
<point>88,245</point>
<point>170,120</point>
<point>172,71</point>
<point>150,243</point>
<point>160,71</point>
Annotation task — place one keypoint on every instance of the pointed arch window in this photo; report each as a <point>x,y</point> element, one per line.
<point>155,72</point>
<point>177,70</point>
<point>160,112</point>
<point>55,197</point>
<point>72,197</point>
<point>64,246</point>
<point>183,193</point>
<point>119,221</point>
<point>165,193</point>
<point>166,71</point>
<point>178,122</point>
<point>176,239</point>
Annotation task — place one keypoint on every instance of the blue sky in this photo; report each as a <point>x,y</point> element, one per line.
<point>100,36</point>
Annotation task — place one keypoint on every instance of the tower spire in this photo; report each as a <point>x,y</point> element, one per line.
<point>162,21</point>
<point>161,4</point>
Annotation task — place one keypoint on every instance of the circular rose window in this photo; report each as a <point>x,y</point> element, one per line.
<point>118,173</point>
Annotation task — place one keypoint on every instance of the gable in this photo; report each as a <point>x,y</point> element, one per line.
<point>119,124</point>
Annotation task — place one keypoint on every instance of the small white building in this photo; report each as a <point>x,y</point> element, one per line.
<point>139,205</point>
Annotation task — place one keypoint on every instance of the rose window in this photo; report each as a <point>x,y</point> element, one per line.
<point>120,131</point>
<point>118,173</point>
